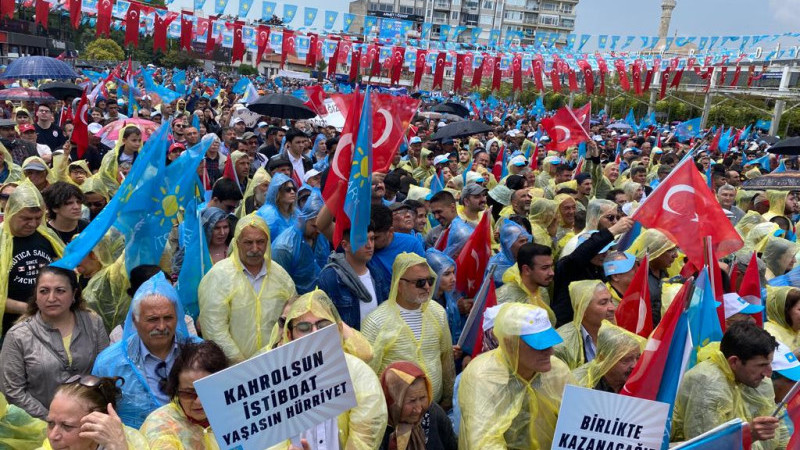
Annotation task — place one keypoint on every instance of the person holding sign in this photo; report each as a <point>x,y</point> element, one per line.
<point>242,296</point>
<point>410,327</point>
<point>733,383</point>
<point>360,428</point>
<point>618,350</point>
<point>510,396</point>
<point>182,423</point>
<point>592,304</point>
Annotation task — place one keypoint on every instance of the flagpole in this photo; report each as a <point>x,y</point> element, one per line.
<point>794,390</point>
<point>477,306</point>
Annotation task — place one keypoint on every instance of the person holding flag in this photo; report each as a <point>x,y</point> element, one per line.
<point>661,253</point>
<point>618,350</point>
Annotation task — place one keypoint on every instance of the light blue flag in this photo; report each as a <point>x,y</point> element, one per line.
<point>494,37</point>
<point>289,11</point>
<point>195,121</point>
<point>703,319</point>
<point>244,7</point>
<point>143,175</point>
<point>688,129</point>
<point>309,16</point>
<point>219,6</point>
<point>781,167</point>
<point>330,18</point>
<point>426,30</point>
<point>763,124</point>
<point>444,32</point>
<point>347,21</point>
<point>359,187</point>
<point>369,23</point>
<point>199,4</point>
<point>630,119</point>
<point>267,10</point>
<point>179,80</point>
<point>762,161</point>
<point>196,257</point>
<point>241,86</point>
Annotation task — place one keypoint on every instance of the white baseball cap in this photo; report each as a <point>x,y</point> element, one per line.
<point>309,174</point>
<point>537,331</point>
<point>783,361</point>
<point>734,304</point>
<point>518,160</point>
<point>93,128</point>
<point>488,317</point>
<point>415,140</point>
<point>439,159</point>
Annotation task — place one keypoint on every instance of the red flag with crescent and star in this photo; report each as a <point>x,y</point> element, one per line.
<point>74,11</point>
<point>516,67</point>
<point>565,128</point>
<point>132,25</point>
<point>398,58</point>
<point>43,12</point>
<point>474,257</point>
<point>588,76</point>
<point>80,134</point>
<point>438,75</point>
<point>419,67</point>
<point>160,24</point>
<point>635,312</point>
<point>262,41</point>
<point>622,73</point>
<point>750,289</point>
<point>538,68</point>
<point>637,77</point>
<point>498,74</point>
<point>287,45</point>
<point>478,73</point>
<point>459,75</point>
<point>333,61</point>
<point>187,32</point>
<point>355,65</point>
<point>311,56</point>
<point>237,53</point>
<point>685,209</point>
<point>210,37</point>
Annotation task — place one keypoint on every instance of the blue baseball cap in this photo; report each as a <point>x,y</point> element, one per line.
<point>619,266</point>
<point>537,331</point>
<point>785,362</point>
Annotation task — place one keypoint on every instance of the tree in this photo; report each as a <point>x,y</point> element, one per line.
<point>181,60</point>
<point>104,50</point>
<point>247,69</point>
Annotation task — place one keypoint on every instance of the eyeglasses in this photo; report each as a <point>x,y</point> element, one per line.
<point>89,204</point>
<point>420,283</point>
<point>288,189</point>
<point>612,217</point>
<point>187,394</point>
<point>179,125</point>
<point>305,327</point>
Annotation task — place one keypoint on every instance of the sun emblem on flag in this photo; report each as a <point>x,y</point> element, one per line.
<point>362,166</point>
<point>169,204</point>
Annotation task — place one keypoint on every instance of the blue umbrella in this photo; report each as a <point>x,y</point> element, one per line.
<point>37,68</point>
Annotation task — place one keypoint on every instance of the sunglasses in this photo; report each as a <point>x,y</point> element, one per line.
<point>420,283</point>
<point>179,125</point>
<point>93,382</point>
<point>305,327</point>
<point>612,217</point>
<point>187,394</point>
<point>288,189</point>
<point>92,204</point>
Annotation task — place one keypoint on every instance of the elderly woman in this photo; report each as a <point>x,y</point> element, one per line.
<point>279,210</point>
<point>542,216</point>
<point>55,339</point>
<point>182,423</point>
<point>783,314</point>
<point>618,350</point>
<point>82,415</point>
<point>592,304</point>
<point>415,421</point>
<point>218,232</point>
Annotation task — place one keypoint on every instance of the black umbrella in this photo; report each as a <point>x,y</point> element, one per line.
<point>790,146</point>
<point>786,181</point>
<point>768,139</point>
<point>461,129</point>
<point>452,108</point>
<point>61,90</point>
<point>281,106</point>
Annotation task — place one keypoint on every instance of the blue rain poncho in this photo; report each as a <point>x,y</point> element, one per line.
<point>124,358</point>
<point>276,221</point>
<point>291,250</point>
<point>440,262</point>
<point>510,231</point>
<point>210,217</point>
<point>457,237</point>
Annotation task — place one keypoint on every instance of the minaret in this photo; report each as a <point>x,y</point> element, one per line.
<point>666,15</point>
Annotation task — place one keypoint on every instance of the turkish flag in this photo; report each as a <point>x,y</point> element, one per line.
<point>104,8</point>
<point>750,75</point>
<point>565,129</point>
<point>43,12</point>
<point>722,74</point>
<point>132,24</point>
<point>186,32</point>
<point>676,80</point>
<point>622,73</point>
<point>637,77</point>
<point>419,67</point>
<point>160,25</point>
<point>736,74</point>
<point>262,41</point>
<point>374,60</point>
<point>603,66</point>
<point>287,46</point>
<point>344,50</point>
<point>635,312</point>
<point>516,68</point>
<point>210,37</point>
<point>477,73</point>
<point>459,75</point>
<point>398,58</point>
<point>237,54</point>
<point>714,145</point>
<point>333,62</point>
<point>793,410</point>
<point>584,114</point>
<point>74,11</point>
<point>499,162</point>
<point>538,68</point>
<point>695,213</point>
<point>311,56</point>
<point>80,134</point>
<point>498,74</point>
<point>664,84</point>
<point>572,76</point>
<point>648,79</point>
<point>7,10</point>
<point>438,75</point>
<point>316,99</point>
<point>355,65</point>
<point>474,257</point>
<point>588,76</point>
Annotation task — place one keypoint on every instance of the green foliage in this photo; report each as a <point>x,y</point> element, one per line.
<point>104,50</point>
<point>247,69</point>
<point>179,59</point>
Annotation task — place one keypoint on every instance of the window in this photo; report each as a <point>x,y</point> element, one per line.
<point>485,20</point>
<point>567,8</point>
<point>549,6</point>
<point>546,19</point>
<point>513,15</point>
<point>454,15</point>
<point>516,3</point>
<point>488,4</point>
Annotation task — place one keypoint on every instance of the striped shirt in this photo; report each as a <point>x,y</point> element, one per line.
<point>412,318</point>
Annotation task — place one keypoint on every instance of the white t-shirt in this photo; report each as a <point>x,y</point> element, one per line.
<point>413,318</point>
<point>364,307</point>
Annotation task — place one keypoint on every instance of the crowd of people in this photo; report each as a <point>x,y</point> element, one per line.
<point>105,356</point>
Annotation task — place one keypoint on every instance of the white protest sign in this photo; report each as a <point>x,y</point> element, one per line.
<point>333,117</point>
<point>595,419</point>
<point>277,395</point>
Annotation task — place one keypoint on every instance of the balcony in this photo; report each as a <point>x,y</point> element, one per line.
<point>439,20</point>
<point>441,5</point>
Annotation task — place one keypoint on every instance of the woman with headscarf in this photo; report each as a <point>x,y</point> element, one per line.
<point>543,219</point>
<point>778,256</point>
<point>415,421</point>
<point>279,210</point>
<point>217,230</point>
<point>592,304</point>
<point>617,352</point>
<point>783,315</point>
<point>444,291</point>
<point>512,237</point>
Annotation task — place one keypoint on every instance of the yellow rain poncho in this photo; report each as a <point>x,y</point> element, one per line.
<point>25,196</point>
<point>778,256</point>
<point>710,396</point>
<point>776,324</point>
<point>499,409</point>
<point>613,344</point>
<point>563,227</point>
<point>168,428</point>
<point>51,175</point>
<point>260,177</point>
<point>18,430</point>
<point>594,212</point>
<point>571,350</point>
<point>746,223</point>
<point>14,171</point>
<point>107,290</point>
<point>514,291</point>
<point>392,339</point>
<point>777,204</point>
<point>109,166</point>
<point>423,170</point>
<point>362,427</point>
<point>234,315</point>
<point>541,216</point>
<point>651,242</point>
<point>134,439</point>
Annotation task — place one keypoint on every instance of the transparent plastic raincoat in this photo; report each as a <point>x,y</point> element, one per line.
<point>509,233</point>
<point>778,256</point>
<point>594,212</point>
<point>500,410</point>
<point>109,166</point>
<point>541,215</point>
<point>776,323</point>
<point>710,396</point>
<point>25,196</point>
<point>260,177</point>
<point>514,291</point>
<point>777,204</point>
<point>613,344</point>
<point>746,223</point>
<point>276,221</point>
<point>571,350</point>
<point>563,227</point>
<point>362,427</point>
<point>291,250</point>
<point>14,171</point>
<point>651,242</point>
<point>168,428</point>
<point>423,170</point>
<point>440,262</point>
<point>457,237</point>
<point>18,430</point>
<point>232,314</point>
<point>392,340</point>
<point>107,290</point>
<point>124,358</point>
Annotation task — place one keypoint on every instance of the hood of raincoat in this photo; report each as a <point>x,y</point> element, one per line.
<point>402,263</point>
<point>317,303</point>
<point>311,208</point>
<point>651,242</point>
<point>777,204</point>
<point>95,184</point>
<point>156,285</point>
<point>251,220</point>
<point>274,187</point>
<point>457,237</point>
<point>594,212</point>
<point>746,223</point>
<point>209,218</point>
<point>260,177</point>
<point>14,171</point>
<point>613,344</point>
<point>571,351</point>
<point>774,252</point>
<point>439,263</point>
<point>510,231</point>
<point>776,307</point>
